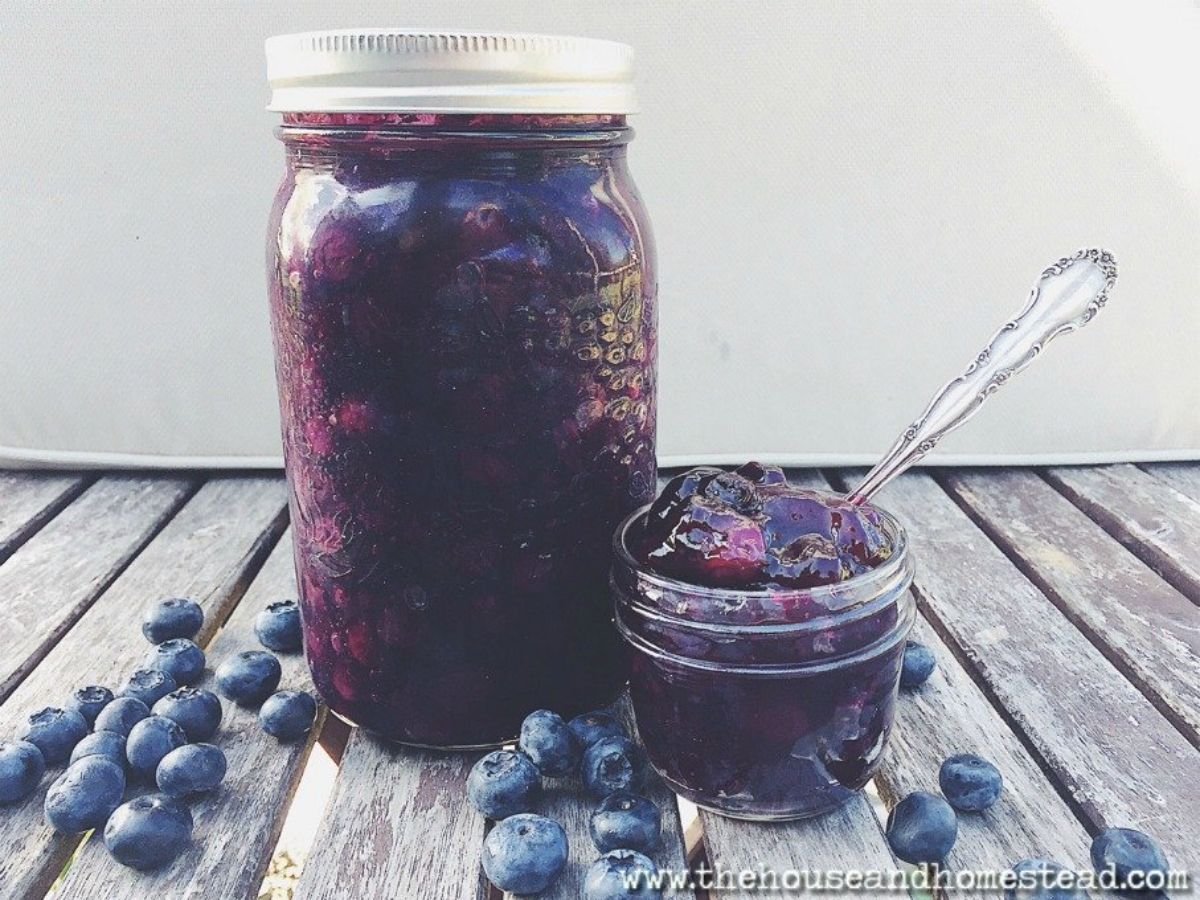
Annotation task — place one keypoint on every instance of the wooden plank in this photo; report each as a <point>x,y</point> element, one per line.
<point>48,583</point>
<point>208,551</point>
<point>1159,524</point>
<point>1118,759</point>
<point>1149,630</point>
<point>398,824</point>
<point>949,714</point>
<point>1183,477</point>
<point>28,500</point>
<point>568,804</point>
<point>236,829</point>
<point>850,838</point>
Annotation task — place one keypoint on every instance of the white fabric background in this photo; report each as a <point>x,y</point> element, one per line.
<point>848,198</point>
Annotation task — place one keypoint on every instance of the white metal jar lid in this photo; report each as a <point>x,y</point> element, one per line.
<point>400,70</point>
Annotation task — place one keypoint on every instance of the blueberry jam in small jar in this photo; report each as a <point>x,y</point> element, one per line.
<point>765,666</point>
<point>463,303</point>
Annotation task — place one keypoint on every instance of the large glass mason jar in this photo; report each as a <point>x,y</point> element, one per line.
<point>462,290</point>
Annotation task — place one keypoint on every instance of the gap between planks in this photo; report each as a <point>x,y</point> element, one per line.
<point>1145,513</point>
<point>238,827</point>
<point>52,580</point>
<point>950,714</point>
<point>1142,625</point>
<point>397,825</point>
<point>209,550</point>
<point>28,500</point>
<point>1118,760</point>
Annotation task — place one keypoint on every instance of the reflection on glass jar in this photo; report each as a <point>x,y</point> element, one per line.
<point>765,704</point>
<point>464,314</point>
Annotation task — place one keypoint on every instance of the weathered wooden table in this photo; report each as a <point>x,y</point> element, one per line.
<point>1061,605</point>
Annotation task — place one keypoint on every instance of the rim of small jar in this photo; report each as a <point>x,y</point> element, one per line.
<point>892,569</point>
<point>885,642</point>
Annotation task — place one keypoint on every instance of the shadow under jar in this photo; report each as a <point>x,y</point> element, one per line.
<point>463,309</point>
<point>765,704</point>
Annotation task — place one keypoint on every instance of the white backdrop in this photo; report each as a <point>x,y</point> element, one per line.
<point>848,197</point>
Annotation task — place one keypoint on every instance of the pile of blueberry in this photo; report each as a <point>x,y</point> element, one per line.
<point>525,853</point>
<point>923,827</point>
<point>151,734</point>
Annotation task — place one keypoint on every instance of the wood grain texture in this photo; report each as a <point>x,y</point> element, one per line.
<point>568,804</point>
<point>398,824</point>
<point>1119,760</point>
<point>1183,477</point>
<point>28,500</point>
<point>847,839</point>
<point>1141,623</point>
<point>950,715</point>
<point>1158,523</point>
<point>52,579</point>
<point>208,552</point>
<point>236,829</point>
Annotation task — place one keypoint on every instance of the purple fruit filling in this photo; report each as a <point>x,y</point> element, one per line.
<point>464,318</point>
<point>771,620</point>
<point>750,529</point>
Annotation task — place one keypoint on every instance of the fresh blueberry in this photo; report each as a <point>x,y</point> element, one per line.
<point>148,685</point>
<point>148,832</point>
<point>108,744</point>
<point>525,853</point>
<point>121,715</point>
<point>1043,879</point>
<point>179,658</point>
<point>150,740</point>
<point>196,711</point>
<point>191,769</point>
<point>504,783</point>
<point>249,677</point>
<point>613,764</point>
<point>21,769</point>
<point>278,627</point>
<point>84,796</point>
<point>591,727</point>
<point>88,701</point>
<point>625,820</point>
<point>919,663</point>
<point>970,782</point>
<point>174,618</point>
<point>287,715</point>
<point>55,732</point>
<point>549,743</point>
<point>922,828</point>
<point>1125,852</point>
<point>621,875</point>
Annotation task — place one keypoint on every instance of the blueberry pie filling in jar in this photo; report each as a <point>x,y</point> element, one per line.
<point>766,626</point>
<point>463,305</point>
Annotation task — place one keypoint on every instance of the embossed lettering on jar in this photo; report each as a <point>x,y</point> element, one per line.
<point>463,309</point>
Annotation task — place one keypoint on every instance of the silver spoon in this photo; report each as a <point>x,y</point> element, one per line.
<point>1065,298</point>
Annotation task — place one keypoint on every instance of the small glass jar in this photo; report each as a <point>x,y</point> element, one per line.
<point>765,704</point>
<point>463,301</point>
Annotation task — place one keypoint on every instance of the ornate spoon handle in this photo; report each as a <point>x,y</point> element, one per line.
<point>1066,297</point>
